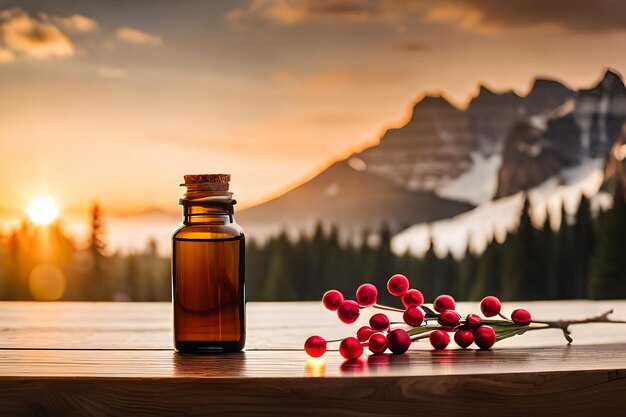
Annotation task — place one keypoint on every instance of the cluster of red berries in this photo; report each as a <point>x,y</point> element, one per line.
<point>382,334</point>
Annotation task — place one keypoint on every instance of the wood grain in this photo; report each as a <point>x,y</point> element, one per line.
<point>115,358</point>
<point>528,394</point>
<point>270,325</point>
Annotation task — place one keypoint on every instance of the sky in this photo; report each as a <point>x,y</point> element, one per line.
<point>115,101</point>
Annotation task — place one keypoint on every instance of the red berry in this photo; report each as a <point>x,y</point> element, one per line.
<point>364,333</point>
<point>443,303</point>
<point>398,341</point>
<point>350,348</point>
<point>315,346</point>
<point>449,318</point>
<point>366,295</point>
<point>413,316</point>
<point>490,306</point>
<point>484,337</point>
<point>412,298</point>
<point>378,343</point>
<point>332,299</point>
<point>464,338</point>
<point>439,339</point>
<point>521,317</point>
<point>348,311</point>
<point>379,322</point>
<point>473,320</point>
<point>398,285</point>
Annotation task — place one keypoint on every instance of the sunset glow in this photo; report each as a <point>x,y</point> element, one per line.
<point>42,210</point>
<point>278,90</point>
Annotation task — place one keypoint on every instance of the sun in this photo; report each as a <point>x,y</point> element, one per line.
<point>42,210</point>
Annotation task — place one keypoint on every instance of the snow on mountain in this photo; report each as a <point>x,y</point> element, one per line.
<point>446,160</point>
<point>496,218</point>
<point>477,185</point>
<point>584,127</point>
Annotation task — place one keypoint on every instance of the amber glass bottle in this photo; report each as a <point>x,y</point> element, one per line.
<point>208,280</point>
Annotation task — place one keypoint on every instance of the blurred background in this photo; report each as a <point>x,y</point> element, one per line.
<point>476,147</point>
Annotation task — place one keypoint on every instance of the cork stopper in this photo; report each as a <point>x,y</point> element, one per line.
<point>204,185</point>
<point>210,178</point>
<point>207,182</point>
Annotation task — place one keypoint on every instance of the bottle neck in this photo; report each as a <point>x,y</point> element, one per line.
<point>217,211</point>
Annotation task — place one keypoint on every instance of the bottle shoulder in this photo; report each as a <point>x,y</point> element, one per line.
<point>208,231</point>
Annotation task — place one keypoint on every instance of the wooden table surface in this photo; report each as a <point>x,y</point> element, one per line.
<point>117,358</point>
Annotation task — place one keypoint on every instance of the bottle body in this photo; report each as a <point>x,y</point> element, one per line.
<point>208,283</point>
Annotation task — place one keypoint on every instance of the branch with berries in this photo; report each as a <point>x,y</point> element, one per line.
<point>433,322</point>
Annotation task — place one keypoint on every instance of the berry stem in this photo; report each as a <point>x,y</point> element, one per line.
<point>422,336</point>
<point>504,317</point>
<point>382,307</point>
<point>564,324</point>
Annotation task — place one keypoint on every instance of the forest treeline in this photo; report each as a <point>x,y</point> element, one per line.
<point>584,258</point>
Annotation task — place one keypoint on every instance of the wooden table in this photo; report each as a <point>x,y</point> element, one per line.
<point>76,359</point>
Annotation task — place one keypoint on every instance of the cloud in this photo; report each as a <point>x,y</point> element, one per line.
<point>476,15</point>
<point>113,73</point>
<point>289,12</point>
<point>138,37</point>
<point>22,34</point>
<point>76,23</point>
<point>571,15</point>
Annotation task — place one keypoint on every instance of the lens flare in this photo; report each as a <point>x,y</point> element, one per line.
<point>42,210</point>
<point>46,282</point>
<point>315,367</point>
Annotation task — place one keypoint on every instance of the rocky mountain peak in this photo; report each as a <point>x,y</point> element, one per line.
<point>433,102</point>
<point>514,141</point>
<point>545,94</point>
<point>586,129</point>
<point>487,96</point>
<point>547,85</point>
<point>483,90</point>
<point>611,83</point>
<point>611,79</point>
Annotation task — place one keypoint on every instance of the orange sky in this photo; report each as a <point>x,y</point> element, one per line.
<point>116,102</point>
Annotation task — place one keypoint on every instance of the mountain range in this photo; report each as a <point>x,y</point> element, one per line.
<point>446,161</point>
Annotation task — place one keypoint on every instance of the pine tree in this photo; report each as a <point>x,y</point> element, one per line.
<point>545,259</point>
<point>279,284</point>
<point>428,273</point>
<point>133,275</point>
<point>565,267</point>
<point>410,267</point>
<point>256,269</point>
<point>520,281</point>
<point>584,245</point>
<point>366,258</point>
<point>97,285</point>
<point>316,255</point>
<point>608,275</point>
<point>384,265</point>
<point>96,238</point>
<point>447,276</point>
<point>17,288</point>
<point>467,271</point>
<point>488,273</point>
